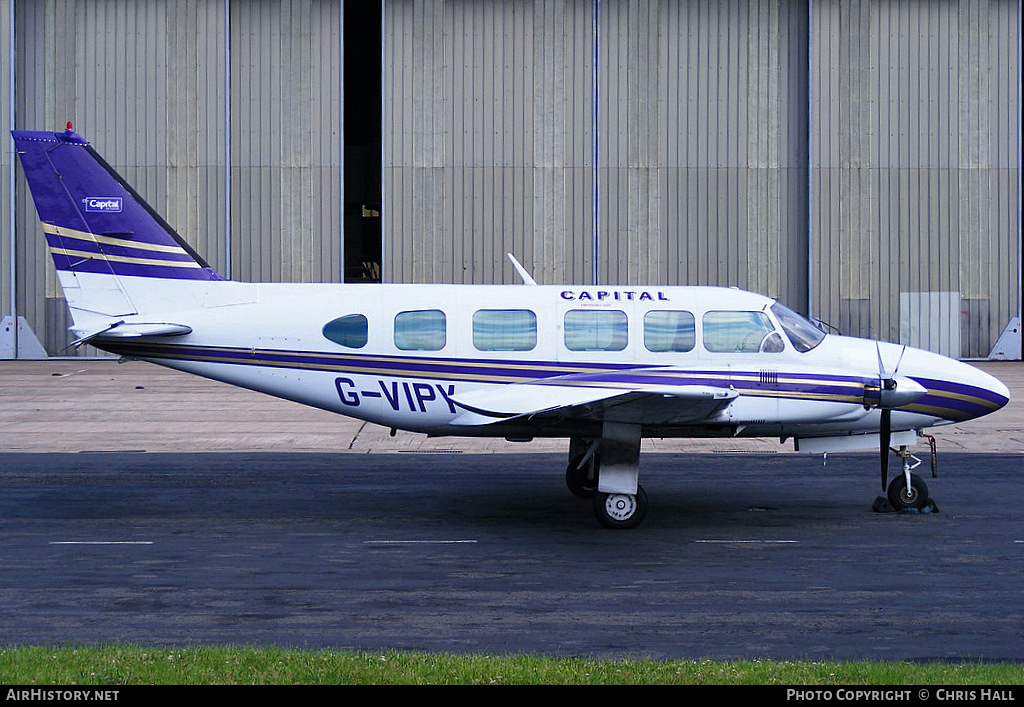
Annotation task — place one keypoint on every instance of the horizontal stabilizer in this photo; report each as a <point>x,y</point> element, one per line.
<point>488,406</point>
<point>131,330</point>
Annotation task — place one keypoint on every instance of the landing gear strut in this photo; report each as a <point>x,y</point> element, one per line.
<point>581,473</point>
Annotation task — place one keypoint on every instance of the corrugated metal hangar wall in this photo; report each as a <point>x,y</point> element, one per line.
<point>858,159</point>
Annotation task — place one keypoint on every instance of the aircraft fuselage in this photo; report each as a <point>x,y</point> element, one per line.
<point>423,348</point>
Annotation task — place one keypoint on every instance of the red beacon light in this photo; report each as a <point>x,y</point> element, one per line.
<point>71,136</point>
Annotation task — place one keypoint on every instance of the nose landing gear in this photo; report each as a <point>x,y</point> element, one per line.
<point>909,492</point>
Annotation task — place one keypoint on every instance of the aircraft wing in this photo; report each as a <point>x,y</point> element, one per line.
<point>652,405</point>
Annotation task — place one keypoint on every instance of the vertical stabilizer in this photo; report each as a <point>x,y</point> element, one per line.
<point>104,238</point>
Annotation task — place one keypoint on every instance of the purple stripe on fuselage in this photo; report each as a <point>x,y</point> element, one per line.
<point>819,384</point>
<point>554,373</point>
<point>839,387</point>
<point>993,399</point>
<point>395,366</point>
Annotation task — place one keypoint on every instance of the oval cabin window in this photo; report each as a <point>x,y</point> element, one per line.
<point>350,331</point>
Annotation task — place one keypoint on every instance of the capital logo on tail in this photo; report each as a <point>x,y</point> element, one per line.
<point>103,204</point>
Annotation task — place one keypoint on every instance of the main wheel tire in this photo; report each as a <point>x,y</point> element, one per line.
<point>902,498</point>
<point>582,482</point>
<point>579,482</point>
<point>621,511</point>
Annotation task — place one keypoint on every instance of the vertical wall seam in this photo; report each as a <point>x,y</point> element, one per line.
<point>596,124</point>
<point>384,215</point>
<point>227,139</point>
<point>809,159</point>
<point>12,218</point>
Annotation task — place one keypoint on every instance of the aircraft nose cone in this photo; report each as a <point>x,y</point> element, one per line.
<point>974,393</point>
<point>998,389</point>
<point>954,391</point>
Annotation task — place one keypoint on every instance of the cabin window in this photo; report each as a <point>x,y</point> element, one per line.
<point>742,332</point>
<point>595,330</point>
<point>669,331</point>
<point>421,330</point>
<point>349,331</point>
<point>801,332</point>
<point>504,330</point>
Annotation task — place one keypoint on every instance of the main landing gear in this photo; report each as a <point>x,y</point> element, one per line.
<point>620,511</point>
<point>606,470</point>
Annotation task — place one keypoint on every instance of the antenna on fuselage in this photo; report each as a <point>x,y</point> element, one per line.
<point>527,280</point>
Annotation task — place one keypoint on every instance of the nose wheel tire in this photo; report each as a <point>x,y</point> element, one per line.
<point>620,511</point>
<point>902,498</point>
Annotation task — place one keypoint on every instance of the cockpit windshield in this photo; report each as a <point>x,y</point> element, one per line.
<point>801,332</point>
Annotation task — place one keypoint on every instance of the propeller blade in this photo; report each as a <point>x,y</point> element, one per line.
<point>899,361</point>
<point>882,373</point>
<point>884,439</point>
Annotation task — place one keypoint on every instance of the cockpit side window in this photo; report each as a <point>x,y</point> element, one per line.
<point>350,331</point>
<point>740,332</point>
<point>801,332</point>
<point>773,343</point>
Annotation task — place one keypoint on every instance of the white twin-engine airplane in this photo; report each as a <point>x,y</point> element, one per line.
<point>603,366</point>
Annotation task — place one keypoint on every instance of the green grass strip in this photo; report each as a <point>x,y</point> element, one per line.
<point>130,665</point>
